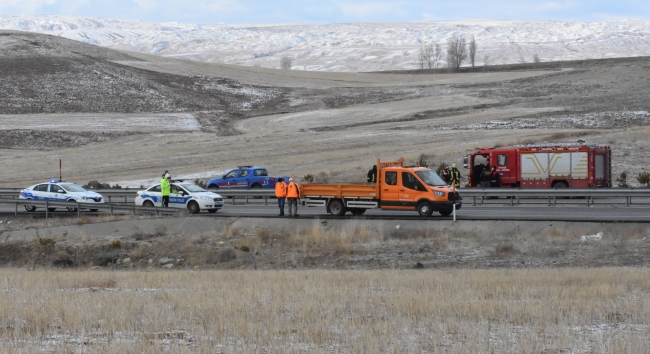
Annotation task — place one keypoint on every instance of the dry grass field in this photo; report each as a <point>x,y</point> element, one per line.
<point>605,310</point>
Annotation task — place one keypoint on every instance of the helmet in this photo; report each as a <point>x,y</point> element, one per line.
<point>453,165</point>
<point>167,175</point>
<point>290,179</point>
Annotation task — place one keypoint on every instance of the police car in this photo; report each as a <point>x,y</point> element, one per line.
<point>183,195</point>
<point>59,191</point>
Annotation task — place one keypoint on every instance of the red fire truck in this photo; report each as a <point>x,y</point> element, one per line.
<point>548,165</point>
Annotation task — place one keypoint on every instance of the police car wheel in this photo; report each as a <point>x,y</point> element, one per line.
<point>212,211</point>
<point>193,207</point>
<point>71,208</point>
<point>147,203</point>
<point>30,208</point>
<point>51,209</point>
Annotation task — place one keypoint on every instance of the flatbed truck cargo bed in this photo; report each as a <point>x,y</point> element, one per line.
<point>398,187</point>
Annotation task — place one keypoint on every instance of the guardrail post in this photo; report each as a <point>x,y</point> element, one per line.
<point>134,210</point>
<point>78,211</point>
<point>628,200</point>
<point>233,200</point>
<point>246,199</point>
<point>109,198</point>
<point>156,211</point>
<point>47,209</point>
<point>474,200</point>
<point>111,209</point>
<point>266,200</point>
<point>16,210</point>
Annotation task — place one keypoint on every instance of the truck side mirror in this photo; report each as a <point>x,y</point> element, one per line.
<point>466,161</point>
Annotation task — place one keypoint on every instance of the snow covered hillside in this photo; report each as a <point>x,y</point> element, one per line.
<point>351,46</point>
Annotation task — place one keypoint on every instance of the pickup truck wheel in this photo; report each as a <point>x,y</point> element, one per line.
<point>336,208</point>
<point>257,188</point>
<point>193,207</point>
<point>213,186</point>
<point>425,209</point>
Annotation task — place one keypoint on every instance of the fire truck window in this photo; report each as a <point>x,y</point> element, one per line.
<point>391,178</point>
<point>244,173</point>
<point>409,181</point>
<point>502,160</point>
<point>231,174</point>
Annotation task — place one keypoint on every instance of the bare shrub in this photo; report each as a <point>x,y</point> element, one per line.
<point>426,57</point>
<point>536,58</point>
<point>286,62</point>
<point>84,220</point>
<point>263,235</point>
<point>644,179</point>
<point>221,256</point>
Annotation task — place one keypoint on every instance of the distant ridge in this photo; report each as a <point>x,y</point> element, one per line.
<point>349,46</point>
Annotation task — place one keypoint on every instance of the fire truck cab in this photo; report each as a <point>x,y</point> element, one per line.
<point>548,165</point>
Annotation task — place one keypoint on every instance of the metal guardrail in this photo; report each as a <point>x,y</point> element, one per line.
<point>136,210</point>
<point>477,195</point>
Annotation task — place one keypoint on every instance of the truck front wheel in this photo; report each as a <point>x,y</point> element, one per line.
<point>425,209</point>
<point>336,208</point>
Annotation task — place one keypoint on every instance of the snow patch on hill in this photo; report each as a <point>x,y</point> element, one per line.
<point>350,46</point>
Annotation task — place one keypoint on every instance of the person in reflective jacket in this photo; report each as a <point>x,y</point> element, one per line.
<point>281,194</point>
<point>455,176</point>
<point>372,175</point>
<point>165,188</point>
<point>293,195</point>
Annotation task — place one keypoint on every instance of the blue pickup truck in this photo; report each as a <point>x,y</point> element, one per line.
<point>245,177</point>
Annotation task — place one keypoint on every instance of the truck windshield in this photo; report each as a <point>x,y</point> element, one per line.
<point>430,178</point>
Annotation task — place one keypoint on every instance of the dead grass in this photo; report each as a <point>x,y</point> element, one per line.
<point>405,311</point>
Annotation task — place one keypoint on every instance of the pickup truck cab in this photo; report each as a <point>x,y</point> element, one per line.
<point>398,187</point>
<point>244,177</point>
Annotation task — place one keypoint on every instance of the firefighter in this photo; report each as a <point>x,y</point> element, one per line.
<point>372,174</point>
<point>455,176</point>
<point>494,180</point>
<point>486,177</point>
<point>281,194</point>
<point>293,194</point>
<point>446,176</point>
<point>165,188</point>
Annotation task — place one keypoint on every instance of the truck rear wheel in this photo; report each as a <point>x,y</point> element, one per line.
<point>425,209</point>
<point>336,208</point>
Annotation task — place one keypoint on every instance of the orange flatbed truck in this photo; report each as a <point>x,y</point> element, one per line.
<point>398,187</point>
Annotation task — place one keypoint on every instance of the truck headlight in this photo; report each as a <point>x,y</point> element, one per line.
<point>439,194</point>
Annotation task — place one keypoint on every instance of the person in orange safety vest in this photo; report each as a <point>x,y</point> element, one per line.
<point>293,194</point>
<point>281,194</point>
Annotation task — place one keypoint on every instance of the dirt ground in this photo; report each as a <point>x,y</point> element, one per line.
<point>272,243</point>
<point>123,117</point>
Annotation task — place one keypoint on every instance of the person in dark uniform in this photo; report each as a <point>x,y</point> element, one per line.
<point>372,175</point>
<point>445,174</point>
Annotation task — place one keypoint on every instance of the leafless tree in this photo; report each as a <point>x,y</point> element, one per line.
<point>486,60</point>
<point>437,55</point>
<point>426,58</point>
<point>285,62</point>
<point>456,52</point>
<point>472,49</point>
<point>536,59</point>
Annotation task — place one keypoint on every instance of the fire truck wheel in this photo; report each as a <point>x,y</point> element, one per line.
<point>425,209</point>
<point>560,185</point>
<point>336,208</point>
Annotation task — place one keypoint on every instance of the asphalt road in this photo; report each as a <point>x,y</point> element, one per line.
<point>490,211</point>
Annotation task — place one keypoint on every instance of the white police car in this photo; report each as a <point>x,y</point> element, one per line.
<point>183,195</point>
<point>59,191</point>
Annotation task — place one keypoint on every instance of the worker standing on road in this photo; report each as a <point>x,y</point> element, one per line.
<point>165,188</point>
<point>281,194</point>
<point>293,194</point>
<point>372,174</point>
<point>445,174</point>
<point>455,176</point>
<point>486,177</point>
<point>494,180</point>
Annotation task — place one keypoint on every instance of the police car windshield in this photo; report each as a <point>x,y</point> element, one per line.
<point>193,188</point>
<point>431,178</point>
<point>71,187</point>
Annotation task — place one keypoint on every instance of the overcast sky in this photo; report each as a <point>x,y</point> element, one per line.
<point>309,11</point>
